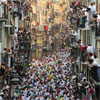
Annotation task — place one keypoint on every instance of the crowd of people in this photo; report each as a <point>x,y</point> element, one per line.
<point>12,60</point>
<point>50,78</point>
<point>84,16</point>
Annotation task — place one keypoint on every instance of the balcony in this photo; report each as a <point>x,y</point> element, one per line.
<point>3,19</point>
<point>97,32</point>
<point>94,73</point>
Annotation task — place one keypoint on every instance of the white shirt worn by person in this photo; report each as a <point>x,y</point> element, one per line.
<point>98,17</point>
<point>1,98</point>
<point>92,9</point>
<point>90,49</point>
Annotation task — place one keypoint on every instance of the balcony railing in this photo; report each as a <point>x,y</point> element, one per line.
<point>95,73</point>
<point>97,32</point>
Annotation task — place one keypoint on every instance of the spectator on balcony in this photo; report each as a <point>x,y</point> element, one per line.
<point>84,8</point>
<point>93,57</point>
<point>92,7</point>
<point>87,14</point>
<point>90,49</point>
<point>91,92</point>
<point>78,21</point>
<point>82,19</point>
<point>98,19</point>
<point>2,70</point>
<point>83,52</point>
<point>97,65</point>
<point>5,56</point>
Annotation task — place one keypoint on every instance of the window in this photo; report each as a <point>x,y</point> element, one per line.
<point>88,37</point>
<point>85,36</point>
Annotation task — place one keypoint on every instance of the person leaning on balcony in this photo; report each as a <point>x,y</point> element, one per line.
<point>98,19</point>
<point>92,7</point>
<point>91,92</point>
<point>2,70</point>
<point>5,56</point>
<point>87,14</point>
<point>90,49</point>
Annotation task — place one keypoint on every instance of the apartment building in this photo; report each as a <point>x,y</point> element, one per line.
<point>13,15</point>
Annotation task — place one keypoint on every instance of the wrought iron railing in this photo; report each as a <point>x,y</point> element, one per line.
<point>95,73</point>
<point>97,32</point>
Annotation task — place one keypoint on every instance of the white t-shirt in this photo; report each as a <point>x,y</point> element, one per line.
<point>87,15</point>
<point>1,98</point>
<point>23,97</point>
<point>98,17</point>
<point>94,6</point>
<point>92,9</point>
<point>90,49</point>
<point>96,63</point>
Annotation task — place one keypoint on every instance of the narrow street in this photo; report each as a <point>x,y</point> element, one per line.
<point>50,78</point>
<point>49,49</point>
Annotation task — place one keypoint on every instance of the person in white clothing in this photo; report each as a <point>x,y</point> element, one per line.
<point>1,98</point>
<point>90,49</point>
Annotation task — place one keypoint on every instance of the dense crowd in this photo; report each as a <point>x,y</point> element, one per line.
<point>84,16</point>
<point>50,78</point>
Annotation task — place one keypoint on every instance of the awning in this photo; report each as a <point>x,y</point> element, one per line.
<point>8,26</point>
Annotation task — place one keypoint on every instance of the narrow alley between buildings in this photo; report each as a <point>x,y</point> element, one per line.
<point>49,49</point>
